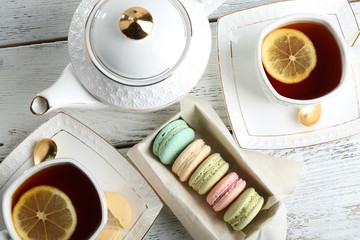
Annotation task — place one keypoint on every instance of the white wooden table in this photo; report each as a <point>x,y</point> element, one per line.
<point>33,52</point>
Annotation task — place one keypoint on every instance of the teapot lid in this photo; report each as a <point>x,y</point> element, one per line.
<point>137,42</point>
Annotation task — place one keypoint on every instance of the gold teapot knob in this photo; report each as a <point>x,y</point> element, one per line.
<point>136,23</point>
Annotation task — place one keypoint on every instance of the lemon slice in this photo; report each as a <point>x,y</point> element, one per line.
<point>44,212</point>
<point>288,55</point>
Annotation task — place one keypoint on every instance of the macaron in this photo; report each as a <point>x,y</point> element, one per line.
<point>208,173</point>
<point>190,158</point>
<point>244,209</point>
<point>225,191</point>
<point>172,140</point>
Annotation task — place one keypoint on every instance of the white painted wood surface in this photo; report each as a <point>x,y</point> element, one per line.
<point>33,52</point>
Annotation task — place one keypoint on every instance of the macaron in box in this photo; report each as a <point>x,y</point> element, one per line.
<point>172,140</point>
<point>273,178</point>
<point>190,159</point>
<point>210,171</point>
<point>225,191</point>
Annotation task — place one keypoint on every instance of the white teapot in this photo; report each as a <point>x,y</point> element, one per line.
<point>135,55</point>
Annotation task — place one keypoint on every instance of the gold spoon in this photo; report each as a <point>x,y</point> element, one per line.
<point>44,150</point>
<point>310,115</point>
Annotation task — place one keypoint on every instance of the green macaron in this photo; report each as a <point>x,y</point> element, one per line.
<point>208,173</point>
<point>244,209</point>
<point>172,140</point>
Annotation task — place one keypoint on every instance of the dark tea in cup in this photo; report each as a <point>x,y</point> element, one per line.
<point>302,59</point>
<point>77,186</point>
<point>327,73</point>
<point>73,181</point>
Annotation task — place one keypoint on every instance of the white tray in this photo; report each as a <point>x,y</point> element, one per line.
<point>112,171</point>
<point>256,122</point>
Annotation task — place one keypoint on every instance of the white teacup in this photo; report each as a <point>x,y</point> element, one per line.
<point>344,60</point>
<point>50,173</point>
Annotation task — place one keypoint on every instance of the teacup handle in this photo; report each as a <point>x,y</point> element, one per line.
<point>4,235</point>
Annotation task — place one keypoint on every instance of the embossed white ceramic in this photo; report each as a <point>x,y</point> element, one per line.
<point>269,90</point>
<point>146,74</point>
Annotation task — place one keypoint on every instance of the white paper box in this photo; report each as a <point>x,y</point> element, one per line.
<point>273,178</point>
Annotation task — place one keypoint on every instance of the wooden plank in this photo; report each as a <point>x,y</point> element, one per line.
<point>230,6</point>
<point>167,226</point>
<point>327,192</point>
<point>28,22</point>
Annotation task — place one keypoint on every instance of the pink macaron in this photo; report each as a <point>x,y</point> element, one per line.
<point>225,191</point>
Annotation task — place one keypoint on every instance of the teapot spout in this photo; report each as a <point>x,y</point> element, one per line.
<point>67,91</point>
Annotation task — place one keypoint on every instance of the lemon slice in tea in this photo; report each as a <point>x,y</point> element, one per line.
<point>288,55</point>
<point>44,212</point>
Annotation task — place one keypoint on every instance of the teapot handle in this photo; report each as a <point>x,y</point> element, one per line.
<point>211,5</point>
<point>67,91</point>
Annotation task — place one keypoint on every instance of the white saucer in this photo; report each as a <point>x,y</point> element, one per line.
<point>258,123</point>
<point>113,172</point>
